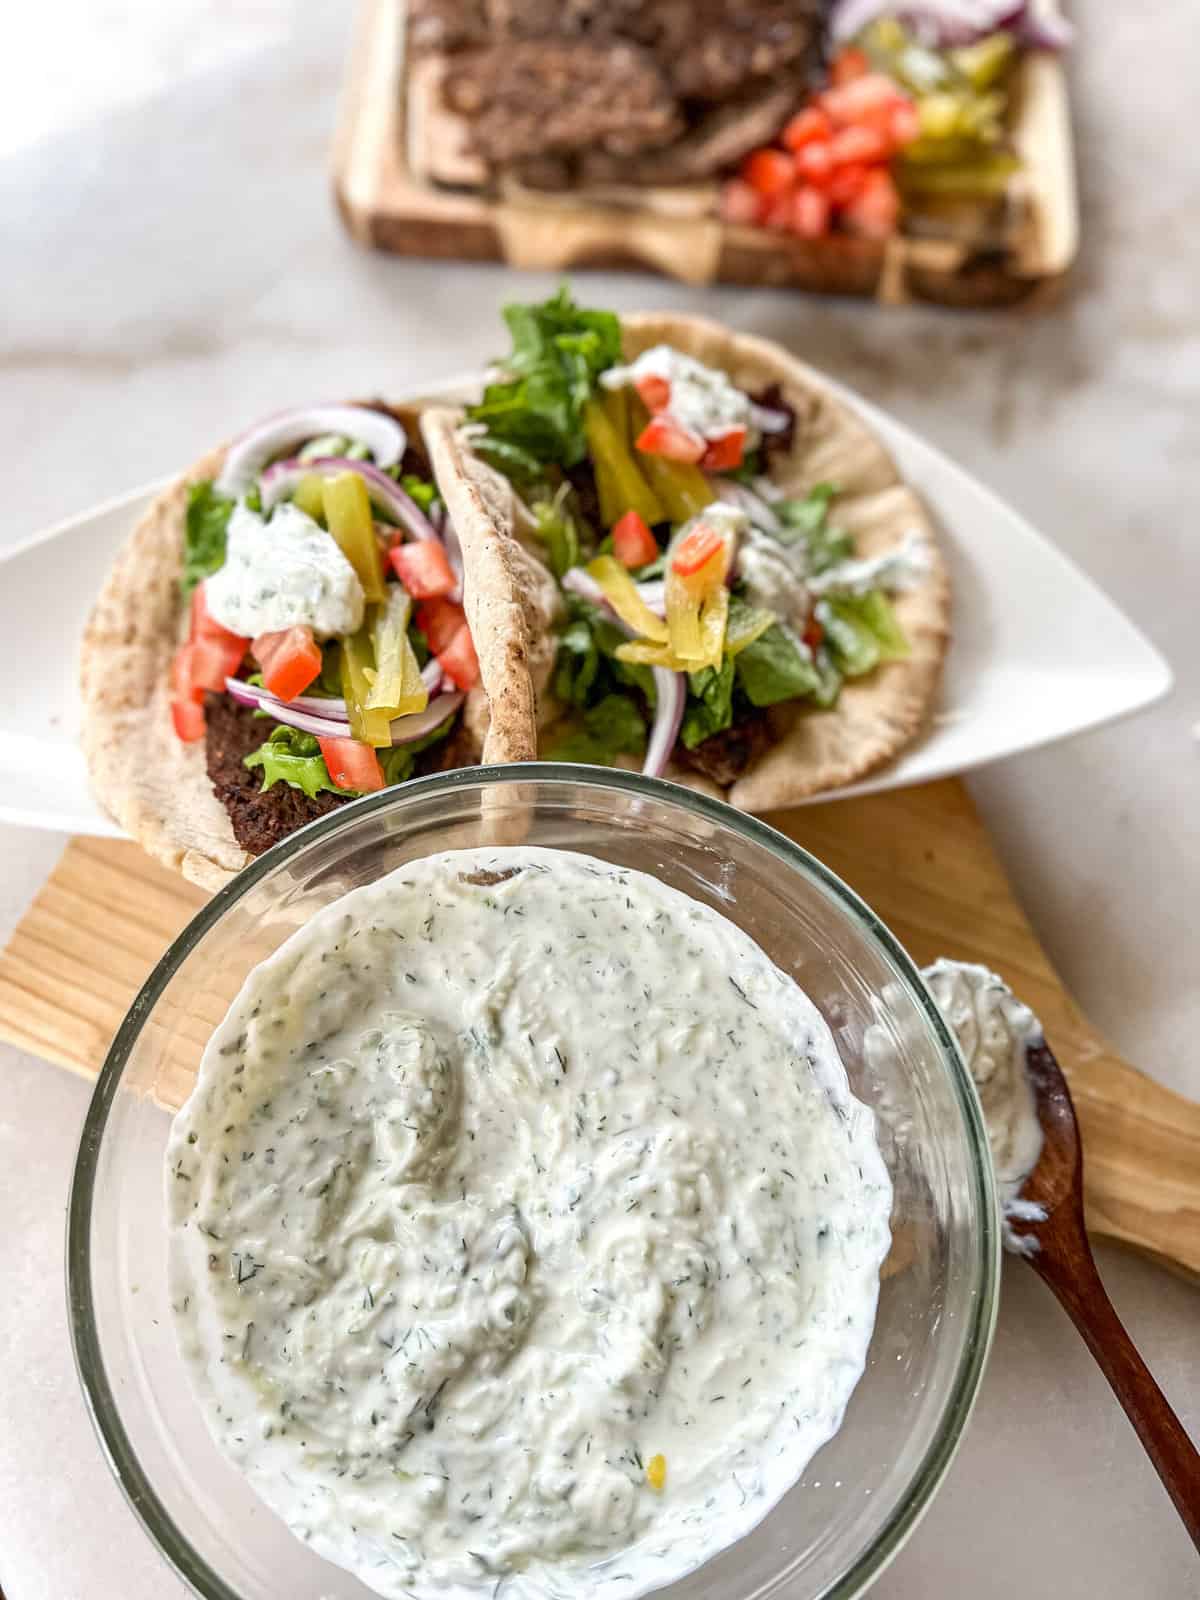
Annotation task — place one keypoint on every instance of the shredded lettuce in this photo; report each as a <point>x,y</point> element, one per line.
<point>558,532</point>
<point>861,631</point>
<point>710,703</point>
<point>534,414</point>
<point>586,668</point>
<point>806,522</point>
<point>208,516</point>
<point>775,667</point>
<point>425,494</point>
<point>612,727</point>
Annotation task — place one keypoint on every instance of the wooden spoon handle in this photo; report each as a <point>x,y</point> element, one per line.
<point>1082,1295</point>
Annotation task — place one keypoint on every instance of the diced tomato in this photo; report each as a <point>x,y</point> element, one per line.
<point>351,765</point>
<point>875,211</point>
<point>695,550</point>
<point>859,145</point>
<point>810,126</point>
<point>655,392</point>
<point>740,203</point>
<point>290,660</point>
<point>633,543</point>
<point>849,64</point>
<point>814,163</point>
<point>423,568</point>
<point>663,437</point>
<point>768,171</point>
<point>459,661</point>
<point>813,633</point>
<point>439,620</point>
<point>777,213</point>
<point>724,452</point>
<point>188,719</point>
<point>846,184</point>
<point>204,626</point>
<point>810,212</point>
<point>860,98</point>
<point>904,123</point>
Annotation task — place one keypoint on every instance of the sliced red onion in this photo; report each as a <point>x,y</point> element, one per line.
<point>670,699</point>
<point>1038,24</point>
<point>386,494</point>
<point>585,586</point>
<point>654,593</point>
<point>432,675</point>
<point>419,723</point>
<point>745,499</point>
<point>247,694</point>
<point>449,537</point>
<point>248,455</point>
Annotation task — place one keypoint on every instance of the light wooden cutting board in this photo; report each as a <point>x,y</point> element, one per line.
<point>920,857</point>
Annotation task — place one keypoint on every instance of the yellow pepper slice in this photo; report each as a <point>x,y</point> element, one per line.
<point>681,488</point>
<point>348,518</point>
<point>370,726</point>
<point>683,621</point>
<point>619,481</point>
<point>714,614</point>
<point>310,496</point>
<point>621,593</point>
<point>396,685</point>
<point>644,653</point>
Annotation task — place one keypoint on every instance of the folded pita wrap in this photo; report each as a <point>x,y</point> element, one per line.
<point>875,716</point>
<point>158,788</point>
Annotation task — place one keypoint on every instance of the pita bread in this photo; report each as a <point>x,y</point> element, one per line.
<point>157,787</point>
<point>877,715</point>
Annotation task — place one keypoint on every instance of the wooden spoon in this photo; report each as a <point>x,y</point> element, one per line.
<point>1060,1253</point>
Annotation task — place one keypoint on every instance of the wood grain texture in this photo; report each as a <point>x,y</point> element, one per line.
<point>920,857</point>
<point>386,206</point>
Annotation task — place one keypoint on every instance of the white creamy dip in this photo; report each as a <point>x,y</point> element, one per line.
<point>775,576</point>
<point>281,573</point>
<point>702,398</point>
<point>994,1031</point>
<point>903,567</point>
<point>511,1183</point>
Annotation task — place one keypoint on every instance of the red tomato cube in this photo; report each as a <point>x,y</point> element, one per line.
<point>188,720</point>
<point>655,392</point>
<point>440,620</point>
<point>459,661</point>
<point>695,550</point>
<point>290,660</point>
<point>663,437</point>
<point>423,568</point>
<point>352,765</point>
<point>859,144</point>
<point>860,98</point>
<point>725,452</point>
<point>849,64</point>
<point>768,171</point>
<point>814,163</point>
<point>810,213</point>
<point>633,543</point>
<point>874,212</point>
<point>846,183</point>
<point>904,123</point>
<point>810,126</point>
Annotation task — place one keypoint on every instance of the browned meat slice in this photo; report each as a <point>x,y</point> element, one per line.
<point>545,96</point>
<point>725,756</point>
<point>259,820</point>
<point>718,141</point>
<point>712,49</point>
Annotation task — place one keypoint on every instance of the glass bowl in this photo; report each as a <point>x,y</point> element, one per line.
<point>863,1492</point>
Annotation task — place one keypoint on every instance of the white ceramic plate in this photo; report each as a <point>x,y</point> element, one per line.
<point>1039,651</point>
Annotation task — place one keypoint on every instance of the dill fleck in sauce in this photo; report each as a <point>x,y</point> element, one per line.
<point>524,1231</point>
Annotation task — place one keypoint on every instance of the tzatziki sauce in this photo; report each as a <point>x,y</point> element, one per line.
<point>703,400</point>
<point>281,573</point>
<point>525,1234</point>
<point>995,1031</point>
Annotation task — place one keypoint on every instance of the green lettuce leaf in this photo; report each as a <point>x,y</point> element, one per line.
<point>709,707</point>
<point>425,494</point>
<point>775,667</point>
<point>807,521</point>
<point>208,516</point>
<point>534,415</point>
<point>558,532</point>
<point>613,726</point>
<point>292,757</point>
<point>398,762</point>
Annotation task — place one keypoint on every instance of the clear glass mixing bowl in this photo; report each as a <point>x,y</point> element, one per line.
<point>864,1491</point>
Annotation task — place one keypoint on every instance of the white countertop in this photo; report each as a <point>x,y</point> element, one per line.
<point>172,265</point>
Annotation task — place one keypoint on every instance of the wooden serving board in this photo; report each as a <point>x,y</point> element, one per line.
<point>920,857</point>
<point>386,204</point>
